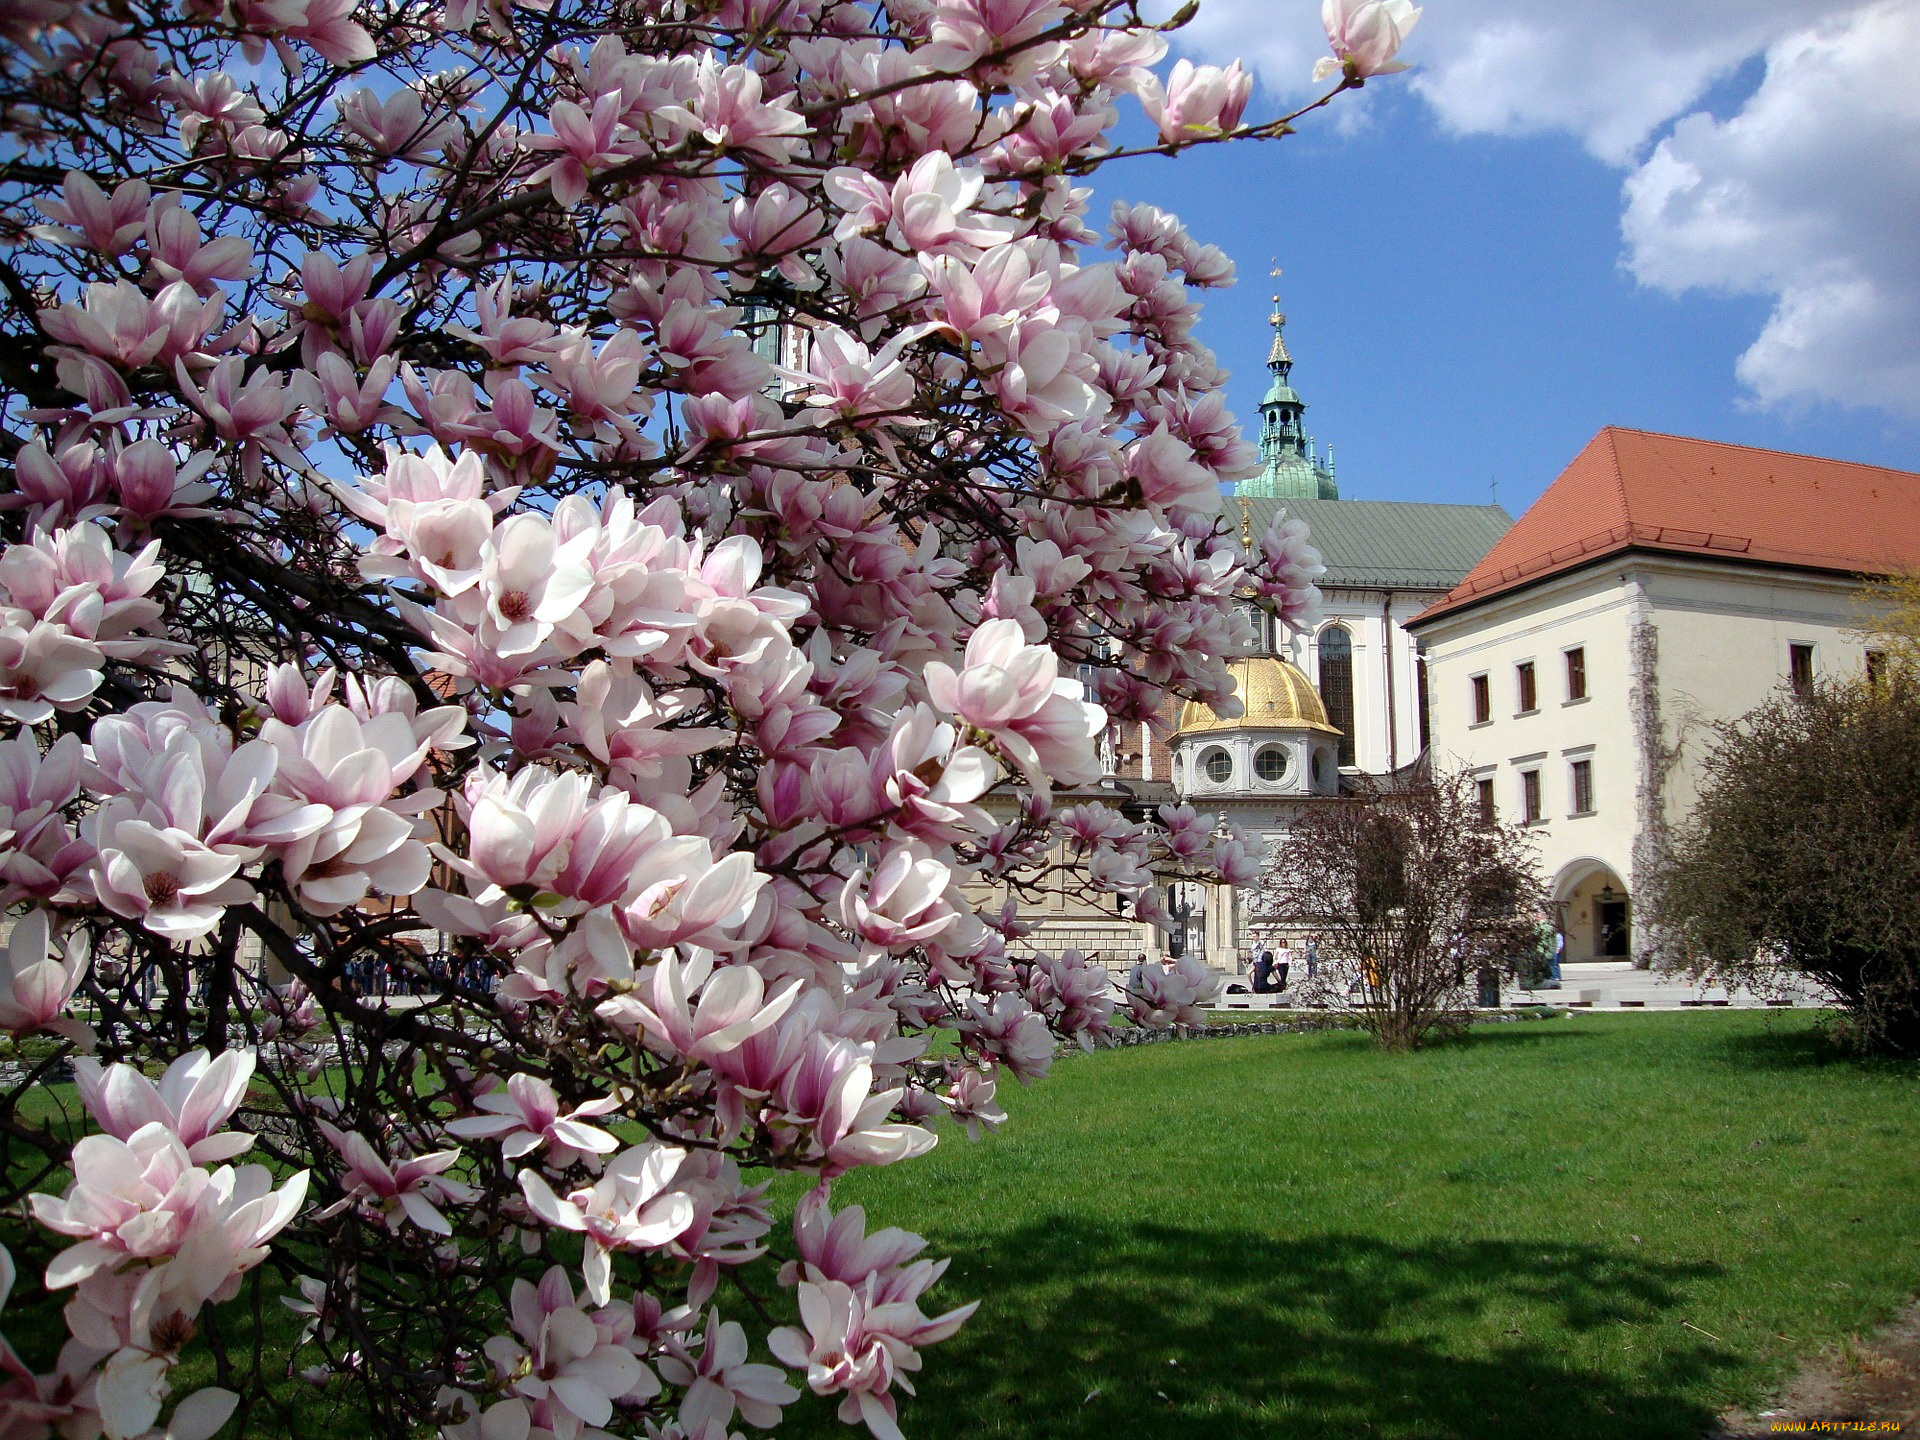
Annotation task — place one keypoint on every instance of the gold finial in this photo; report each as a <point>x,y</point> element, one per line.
<point>1246,525</point>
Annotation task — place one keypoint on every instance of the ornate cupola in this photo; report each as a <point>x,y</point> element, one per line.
<point>1280,744</point>
<point>1291,470</point>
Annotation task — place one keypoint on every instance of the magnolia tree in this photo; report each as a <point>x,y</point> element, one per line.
<point>581,508</point>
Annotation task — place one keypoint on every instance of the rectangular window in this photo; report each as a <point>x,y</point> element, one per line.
<point>1089,677</point>
<point>1800,669</point>
<point>1530,795</point>
<point>1529,696</point>
<point>1876,667</point>
<point>1482,700</point>
<point>1583,787</point>
<point>1577,673</point>
<point>1483,791</point>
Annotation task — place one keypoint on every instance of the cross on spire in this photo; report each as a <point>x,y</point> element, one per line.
<point>1278,354</point>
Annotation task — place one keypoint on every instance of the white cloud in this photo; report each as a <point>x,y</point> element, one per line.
<point>1811,193</point>
<point>1609,71</point>
<point>1807,194</point>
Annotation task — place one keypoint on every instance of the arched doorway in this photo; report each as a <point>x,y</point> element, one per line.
<point>1594,911</point>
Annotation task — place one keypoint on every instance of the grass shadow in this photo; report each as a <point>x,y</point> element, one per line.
<point>1785,1048</point>
<point>1097,1331</point>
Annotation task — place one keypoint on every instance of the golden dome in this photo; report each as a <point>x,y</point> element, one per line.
<point>1275,693</point>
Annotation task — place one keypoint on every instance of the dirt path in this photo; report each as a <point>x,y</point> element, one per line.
<point>1872,1383</point>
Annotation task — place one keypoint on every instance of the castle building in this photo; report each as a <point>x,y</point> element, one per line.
<point>1658,586</point>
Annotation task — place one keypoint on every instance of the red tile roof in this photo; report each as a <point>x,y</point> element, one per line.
<point>1635,490</point>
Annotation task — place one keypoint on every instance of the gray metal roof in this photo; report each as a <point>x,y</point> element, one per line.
<point>1391,544</point>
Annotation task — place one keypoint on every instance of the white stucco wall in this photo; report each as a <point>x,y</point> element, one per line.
<point>1721,636</point>
<point>1386,713</point>
<point>1724,638</point>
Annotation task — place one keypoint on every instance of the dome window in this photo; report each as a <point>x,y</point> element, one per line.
<point>1218,766</point>
<point>1272,764</point>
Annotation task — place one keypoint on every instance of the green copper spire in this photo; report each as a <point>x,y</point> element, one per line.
<point>1292,471</point>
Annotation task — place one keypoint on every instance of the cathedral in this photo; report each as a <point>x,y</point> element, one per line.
<point>1319,710</point>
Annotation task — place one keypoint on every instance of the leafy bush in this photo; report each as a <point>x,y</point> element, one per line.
<point>1802,856</point>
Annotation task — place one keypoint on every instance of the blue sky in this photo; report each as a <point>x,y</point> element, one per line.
<point>1461,305</point>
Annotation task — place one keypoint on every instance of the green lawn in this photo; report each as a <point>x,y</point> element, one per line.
<point>1594,1227</point>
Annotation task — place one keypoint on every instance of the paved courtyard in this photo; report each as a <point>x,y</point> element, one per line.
<point>1600,985</point>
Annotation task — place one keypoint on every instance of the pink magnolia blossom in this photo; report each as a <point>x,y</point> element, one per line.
<point>179,252</point>
<point>733,1007</point>
<point>560,1362</point>
<point>833,1246</point>
<point>398,125</point>
<point>930,206</point>
<point>857,384</point>
<point>721,1381</point>
<point>159,873</point>
<point>69,484</point>
<point>1235,860</point>
<point>327,25</point>
<point>69,603</point>
<point>964,31</point>
<point>1199,102</point>
<point>729,111</point>
<point>395,1192</point>
<point>687,898</point>
<point>860,1351</point>
<point>1365,36</point>
<point>520,827</point>
<point>507,339</point>
<point>629,1207</point>
<point>1291,567</point>
<point>971,1101</point>
<point>831,1089</point>
<point>358,836</point>
<point>529,582</point>
<point>1007,1027</point>
<point>151,483</point>
<point>1074,993</point>
<point>528,1117</point>
<point>128,329</point>
<point>125,1405</point>
<point>1011,691</point>
<point>250,414</point>
<point>38,977</point>
<point>194,1099</point>
<point>143,1200</point>
<point>585,143</point>
<point>886,1265</point>
<point>904,902</point>
<point>110,224</point>
<point>931,777</point>
<point>1171,994</point>
<point>437,515</point>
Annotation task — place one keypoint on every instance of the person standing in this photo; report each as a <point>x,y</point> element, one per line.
<point>1313,956</point>
<point>1282,963</point>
